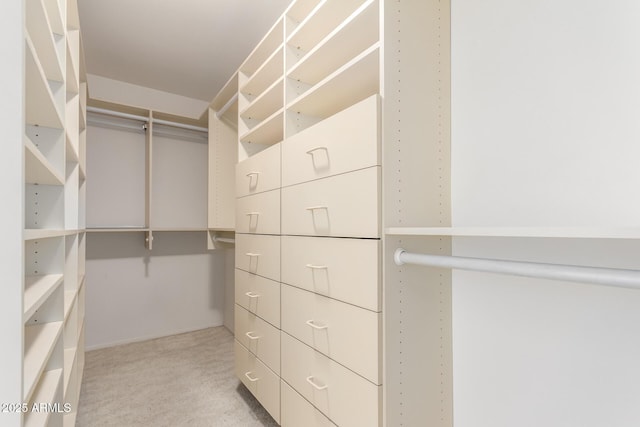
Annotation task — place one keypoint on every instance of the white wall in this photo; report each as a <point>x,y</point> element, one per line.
<point>545,132</point>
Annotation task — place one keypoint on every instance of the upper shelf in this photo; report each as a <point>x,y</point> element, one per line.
<point>40,104</point>
<point>544,232</point>
<point>54,14</point>
<point>269,72</point>
<point>38,170</point>
<point>263,51</point>
<point>43,40</point>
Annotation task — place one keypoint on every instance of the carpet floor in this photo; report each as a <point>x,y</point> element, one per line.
<point>181,380</point>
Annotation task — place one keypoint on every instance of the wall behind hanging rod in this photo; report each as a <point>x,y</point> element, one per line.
<point>572,273</point>
<point>145,119</point>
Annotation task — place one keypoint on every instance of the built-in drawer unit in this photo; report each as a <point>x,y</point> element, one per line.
<point>259,213</point>
<point>297,412</point>
<point>260,337</point>
<point>342,395</point>
<point>346,141</point>
<point>347,334</point>
<point>259,173</point>
<point>258,254</point>
<point>259,379</point>
<point>258,295</point>
<point>344,269</point>
<point>345,205</point>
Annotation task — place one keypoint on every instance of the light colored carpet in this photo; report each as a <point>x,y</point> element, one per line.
<point>182,380</point>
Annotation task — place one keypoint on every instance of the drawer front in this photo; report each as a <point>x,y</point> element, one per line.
<point>258,255</point>
<point>259,173</point>
<point>296,411</point>
<point>346,141</point>
<point>344,397</point>
<point>259,213</point>
<point>340,206</point>
<point>258,295</point>
<point>347,334</point>
<point>259,337</point>
<point>344,269</point>
<point>260,380</point>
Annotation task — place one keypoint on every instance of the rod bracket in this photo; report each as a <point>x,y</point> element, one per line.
<point>396,256</point>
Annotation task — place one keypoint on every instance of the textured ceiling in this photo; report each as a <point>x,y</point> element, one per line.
<point>185,47</point>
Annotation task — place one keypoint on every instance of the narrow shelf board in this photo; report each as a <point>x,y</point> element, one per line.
<point>264,76</point>
<point>41,35</point>
<point>72,80</point>
<point>69,298</point>
<point>353,82</point>
<point>71,150</point>
<point>115,229</point>
<point>40,105</point>
<point>39,342</point>
<point>38,170</point>
<point>46,393</point>
<point>269,132</point>
<point>55,16</point>
<point>37,289</point>
<point>221,229</point>
<point>35,234</point>
<point>269,43</point>
<point>227,92</point>
<point>353,36</point>
<point>69,359</point>
<point>178,229</point>
<point>300,9</point>
<point>272,99</point>
<point>545,232</point>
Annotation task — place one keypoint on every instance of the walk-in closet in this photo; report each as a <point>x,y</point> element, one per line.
<point>297,213</point>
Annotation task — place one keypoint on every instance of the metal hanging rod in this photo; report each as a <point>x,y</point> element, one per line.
<point>145,119</point>
<point>227,105</point>
<point>572,273</point>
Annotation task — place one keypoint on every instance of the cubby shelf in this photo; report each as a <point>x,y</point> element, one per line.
<point>38,170</point>
<point>37,289</point>
<point>298,11</point>
<point>35,234</point>
<point>54,14</point>
<point>269,101</point>
<point>354,81</point>
<point>40,104</point>
<point>544,232</point>
<point>43,40</point>
<point>47,391</point>
<point>264,50</point>
<point>39,343</point>
<point>269,131</point>
<point>269,72</point>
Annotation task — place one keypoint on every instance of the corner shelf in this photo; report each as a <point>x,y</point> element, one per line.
<point>38,170</point>
<point>37,289</point>
<point>542,232</point>
<point>39,342</point>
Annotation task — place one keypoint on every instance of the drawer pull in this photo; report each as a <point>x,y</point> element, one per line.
<point>312,323</point>
<point>310,152</point>
<point>248,375</point>
<point>250,174</point>
<point>316,267</point>
<point>252,295</point>
<point>251,335</point>
<point>252,213</point>
<point>314,208</point>
<point>311,380</point>
<point>251,254</point>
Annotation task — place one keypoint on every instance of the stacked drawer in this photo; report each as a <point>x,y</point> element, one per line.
<point>257,290</point>
<point>330,272</point>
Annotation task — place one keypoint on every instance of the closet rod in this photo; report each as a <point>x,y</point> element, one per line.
<point>572,273</point>
<point>227,105</point>
<point>145,119</point>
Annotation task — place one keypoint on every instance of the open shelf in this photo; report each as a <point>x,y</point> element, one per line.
<point>263,51</point>
<point>269,131</point>
<point>353,82</point>
<point>320,22</point>
<point>357,33</point>
<point>269,101</point>
<point>72,76</point>
<point>43,40</point>
<point>41,106</point>
<point>544,232</point>
<point>114,229</point>
<point>69,359</point>
<point>45,394</point>
<point>71,149</point>
<point>37,289</point>
<point>55,16</point>
<point>35,234</point>
<point>38,170</point>
<point>228,95</point>
<point>39,342</point>
<point>69,298</point>
<point>298,11</point>
<point>266,75</point>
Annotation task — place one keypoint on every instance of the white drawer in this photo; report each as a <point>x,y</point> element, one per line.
<point>259,295</point>
<point>340,206</point>
<point>296,411</point>
<point>344,269</point>
<point>258,254</point>
<point>347,334</point>
<point>346,141</point>
<point>259,213</point>
<point>259,173</point>
<point>261,338</point>
<point>342,395</point>
<point>259,379</point>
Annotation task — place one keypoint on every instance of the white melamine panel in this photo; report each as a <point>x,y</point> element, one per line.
<point>348,334</point>
<point>344,269</point>
<point>296,411</point>
<point>259,337</point>
<point>116,190</point>
<point>258,254</point>
<point>259,173</point>
<point>133,294</point>
<point>223,156</point>
<point>346,141</point>
<point>44,207</point>
<point>345,205</point>
<point>545,106</point>
<point>259,213</point>
<point>258,295</point>
<point>260,380</point>
<point>343,396</point>
<point>179,190</point>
